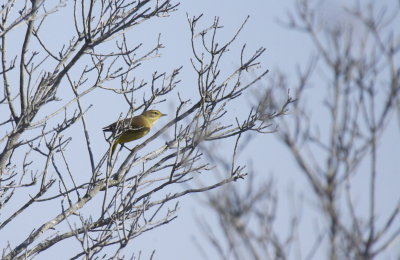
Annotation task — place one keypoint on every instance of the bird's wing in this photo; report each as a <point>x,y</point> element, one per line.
<point>134,123</point>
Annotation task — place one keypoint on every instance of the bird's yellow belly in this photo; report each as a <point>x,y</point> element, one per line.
<point>131,135</point>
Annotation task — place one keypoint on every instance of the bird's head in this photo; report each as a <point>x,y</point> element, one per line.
<point>153,115</point>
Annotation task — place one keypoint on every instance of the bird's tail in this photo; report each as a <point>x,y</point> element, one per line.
<point>114,145</point>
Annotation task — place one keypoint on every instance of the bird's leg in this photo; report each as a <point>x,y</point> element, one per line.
<point>123,145</point>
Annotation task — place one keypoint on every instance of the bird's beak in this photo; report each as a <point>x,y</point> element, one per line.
<point>163,114</point>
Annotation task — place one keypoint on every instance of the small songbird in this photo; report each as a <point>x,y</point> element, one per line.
<point>133,128</point>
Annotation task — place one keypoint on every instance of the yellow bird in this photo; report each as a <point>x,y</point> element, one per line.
<point>133,128</point>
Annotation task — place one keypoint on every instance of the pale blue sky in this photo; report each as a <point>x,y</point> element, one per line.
<point>285,50</point>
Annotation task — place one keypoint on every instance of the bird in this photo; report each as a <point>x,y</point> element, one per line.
<point>133,128</point>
